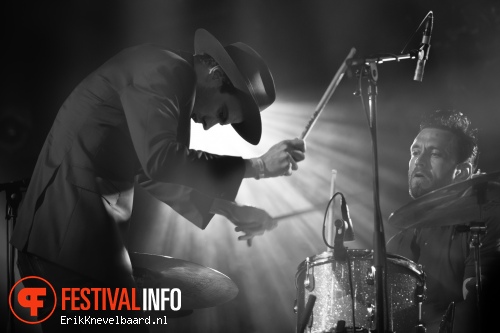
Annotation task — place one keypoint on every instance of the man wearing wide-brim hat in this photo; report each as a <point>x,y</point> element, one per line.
<point>128,122</point>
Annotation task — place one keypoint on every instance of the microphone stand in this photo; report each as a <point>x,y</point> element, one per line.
<point>476,230</point>
<point>380,255</point>
<point>13,196</point>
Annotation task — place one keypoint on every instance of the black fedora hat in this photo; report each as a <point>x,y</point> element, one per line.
<point>248,73</point>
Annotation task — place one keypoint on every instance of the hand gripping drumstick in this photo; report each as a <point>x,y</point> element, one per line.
<point>328,93</point>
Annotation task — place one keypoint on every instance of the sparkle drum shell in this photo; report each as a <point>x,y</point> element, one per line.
<point>330,282</point>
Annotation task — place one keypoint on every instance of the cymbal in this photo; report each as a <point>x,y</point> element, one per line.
<point>458,203</point>
<point>200,286</point>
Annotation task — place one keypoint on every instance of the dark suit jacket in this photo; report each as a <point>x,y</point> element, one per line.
<point>129,121</point>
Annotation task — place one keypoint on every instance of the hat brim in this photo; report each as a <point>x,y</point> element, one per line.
<point>250,129</point>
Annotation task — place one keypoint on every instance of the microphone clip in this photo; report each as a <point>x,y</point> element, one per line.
<point>339,250</point>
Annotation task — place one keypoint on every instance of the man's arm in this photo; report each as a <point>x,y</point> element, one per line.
<point>252,221</point>
<point>153,103</point>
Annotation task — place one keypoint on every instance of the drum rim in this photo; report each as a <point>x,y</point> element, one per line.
<point>327,257</point>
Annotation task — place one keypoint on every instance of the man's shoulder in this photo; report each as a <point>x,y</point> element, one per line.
<point>149,64</point>
<point>151,53</point>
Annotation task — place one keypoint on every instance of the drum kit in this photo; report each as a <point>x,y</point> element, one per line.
<point>335,295</point>
<point>343,292</point>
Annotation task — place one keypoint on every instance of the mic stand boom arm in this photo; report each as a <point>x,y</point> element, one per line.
<point>381,58</point>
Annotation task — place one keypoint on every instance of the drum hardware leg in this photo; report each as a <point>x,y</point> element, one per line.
<point>476,229</point>
<point>13,197</point>
<point>419,298</point>
<point>420,327</point>
<point>353,296</point>
<point>446,325</point>
<point>306,319</point>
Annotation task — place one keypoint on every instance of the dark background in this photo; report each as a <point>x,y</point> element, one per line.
<point>48,47</point>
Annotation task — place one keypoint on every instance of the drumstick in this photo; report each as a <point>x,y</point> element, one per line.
<point>328,93</point>
<point>300,212</point>
<point>286,216</point>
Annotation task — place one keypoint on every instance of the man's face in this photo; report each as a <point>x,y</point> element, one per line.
<point>434,156</point>
<point>212,107</point>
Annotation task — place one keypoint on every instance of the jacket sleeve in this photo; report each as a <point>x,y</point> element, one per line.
<point>191,204</point>
<point>152,101</point>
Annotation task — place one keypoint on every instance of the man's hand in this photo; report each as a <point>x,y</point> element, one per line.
<point>282,158</point>
<point>252,221</point>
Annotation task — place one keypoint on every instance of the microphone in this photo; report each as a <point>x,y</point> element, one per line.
<point>423,52</point>
<point>344,232</point>
<point>349,231</point>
